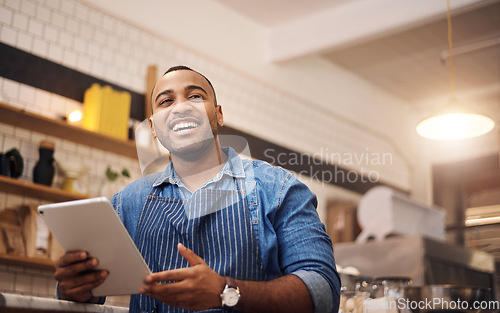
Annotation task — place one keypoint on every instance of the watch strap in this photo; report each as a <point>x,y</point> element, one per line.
<point>231,283</point>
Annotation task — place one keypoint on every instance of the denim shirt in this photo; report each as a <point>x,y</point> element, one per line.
<point>289,234</point>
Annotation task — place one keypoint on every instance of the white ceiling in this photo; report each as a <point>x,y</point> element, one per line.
<point>278,12</point>
<point>393,44</point>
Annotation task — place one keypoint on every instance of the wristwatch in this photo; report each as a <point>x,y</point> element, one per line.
<point>231,293</point>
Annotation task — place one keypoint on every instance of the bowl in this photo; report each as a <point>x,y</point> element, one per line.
<point>447,298</point>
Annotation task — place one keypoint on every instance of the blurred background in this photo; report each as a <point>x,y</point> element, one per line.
<point>330,89</point>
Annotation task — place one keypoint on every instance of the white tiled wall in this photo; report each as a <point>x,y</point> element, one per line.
<point>80,37</point>
<point>83,38</point>
<point>27,281</point>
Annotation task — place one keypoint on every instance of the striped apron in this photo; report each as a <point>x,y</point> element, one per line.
<point>223,238</point>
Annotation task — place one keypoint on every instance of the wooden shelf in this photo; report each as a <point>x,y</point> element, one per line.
<point>24,261</point>
<point>28,120</point>
<point>28,189</point>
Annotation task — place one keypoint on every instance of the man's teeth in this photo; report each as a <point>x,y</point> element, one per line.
<point>184,126</point>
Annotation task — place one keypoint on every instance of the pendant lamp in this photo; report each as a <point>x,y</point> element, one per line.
<point>454,121</point>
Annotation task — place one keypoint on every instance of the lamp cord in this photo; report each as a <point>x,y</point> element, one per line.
<point>450,47</point>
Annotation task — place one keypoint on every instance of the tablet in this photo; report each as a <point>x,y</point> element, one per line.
<point>92,225</point>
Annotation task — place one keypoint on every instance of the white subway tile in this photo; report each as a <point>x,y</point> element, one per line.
<point>11,142</point>
<point>20,21</point>
<point>72,24</point>
<point>29,150</point>
<point>54,4</point>
<point>28,7</point>
<point>66,39</point>
<point>6,15</point>
<point>80,45</point>
<point>82,11</point>
<point>36,138</point>
<point>84,152</point>
<point>69,146</point>
<point>57,104</point>
<point>41,286</point>
<point>27,94</point>
<point>137,82</point>
<point>108,23</point>
<point>101,37</point>
<point>84,63</point>
<point>51,33</point>
<point>6,280</point>
<point>58,20</point>
<point>55,52</point>
<point>8,35</point>
<point>24,41</point>
<point>121,29</point>
<point>35,27</point>
<point>40,47</point>
<point>11,89</point>
<point>70,59</point>
<point>98,155</point>
<point>7,130</point>
<point>22,283</point>
<point>13,4</point>
<point>68,7</point>
<point>73,104</point>
<point>138,52</point>
<point>123,79</point>
<point>95,18</point>
<point>86,31</point>
<point>42,97</point>
<point>94,49</point>
<point>121,60</point>
<point>132,33</point>
<point>108,55</point>
<point>98,68</point>
<point>111,73</point>
<point>43,14</point>
<point>27,174</point>
<point>134,66</point>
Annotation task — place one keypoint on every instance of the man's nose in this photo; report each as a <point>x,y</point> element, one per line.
<point>182,107</point>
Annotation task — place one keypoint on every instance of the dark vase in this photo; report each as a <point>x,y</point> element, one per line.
<point>43,173</point>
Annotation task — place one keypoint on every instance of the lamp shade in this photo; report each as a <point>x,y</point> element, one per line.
<point>454,122</point>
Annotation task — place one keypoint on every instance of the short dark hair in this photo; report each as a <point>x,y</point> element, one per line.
<point>186,68</point>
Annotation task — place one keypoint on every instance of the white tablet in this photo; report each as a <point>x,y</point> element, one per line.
<point>92,225</point>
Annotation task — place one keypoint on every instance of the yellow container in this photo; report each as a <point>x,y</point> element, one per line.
<point>106,111</point>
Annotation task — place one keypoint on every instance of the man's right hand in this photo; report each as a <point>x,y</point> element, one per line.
<point>77,276</point>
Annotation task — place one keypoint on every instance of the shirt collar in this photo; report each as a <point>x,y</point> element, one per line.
<point>233,168</point>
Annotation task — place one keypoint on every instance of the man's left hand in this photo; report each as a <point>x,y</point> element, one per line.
<point>197,287</point>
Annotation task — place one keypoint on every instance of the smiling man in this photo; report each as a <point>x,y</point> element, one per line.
<point>218,232</point>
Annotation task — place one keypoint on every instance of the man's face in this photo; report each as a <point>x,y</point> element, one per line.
<point>184,115</point>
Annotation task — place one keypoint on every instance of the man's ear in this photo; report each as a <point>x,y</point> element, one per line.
<point>151,125</point>
<point>220,116</point>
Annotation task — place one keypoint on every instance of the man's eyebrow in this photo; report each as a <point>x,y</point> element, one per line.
<point>187,88</point>
<point>193,87</point>
<point>163,93</point>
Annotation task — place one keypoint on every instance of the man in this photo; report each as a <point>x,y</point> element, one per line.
<point>218,232</point>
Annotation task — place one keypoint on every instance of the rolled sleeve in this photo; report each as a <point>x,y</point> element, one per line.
<point>319,289</point>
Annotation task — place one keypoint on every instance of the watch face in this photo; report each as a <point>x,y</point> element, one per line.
<point>230,297</point>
